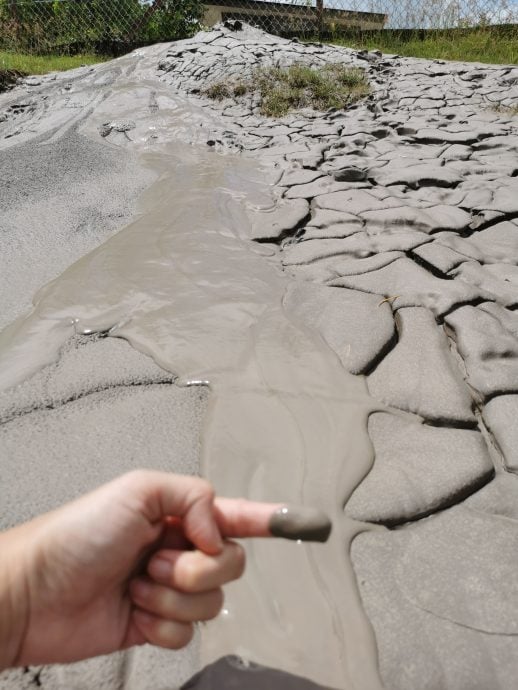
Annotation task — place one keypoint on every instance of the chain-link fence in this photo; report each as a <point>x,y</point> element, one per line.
<point>103,26</point>
<point>113,26</point>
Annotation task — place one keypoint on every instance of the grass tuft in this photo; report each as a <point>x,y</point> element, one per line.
<point>41,64</point>
<point>218,91</point>
<point>239,90</point>
<point>298,86</point>
<point>510,110</point>
<point>477,45</point>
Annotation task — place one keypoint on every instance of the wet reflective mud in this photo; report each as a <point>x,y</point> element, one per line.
<point>286,422</point>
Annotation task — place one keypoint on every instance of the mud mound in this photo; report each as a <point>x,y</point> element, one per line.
<point>351,270</point>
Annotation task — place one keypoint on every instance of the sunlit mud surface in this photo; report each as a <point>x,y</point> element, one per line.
<point>286,422</point>
<point>186,285</point>
<point>348,272</point>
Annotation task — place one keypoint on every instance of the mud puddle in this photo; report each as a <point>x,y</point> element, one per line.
<point>184,285</point>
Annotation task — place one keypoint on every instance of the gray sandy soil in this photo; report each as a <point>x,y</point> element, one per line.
<point>328,274</point>
<point>60,199</point>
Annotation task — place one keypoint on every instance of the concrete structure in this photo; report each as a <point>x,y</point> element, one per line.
<point>289,18</point>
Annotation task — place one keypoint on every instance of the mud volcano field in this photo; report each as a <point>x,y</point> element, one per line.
<point>319,308</point>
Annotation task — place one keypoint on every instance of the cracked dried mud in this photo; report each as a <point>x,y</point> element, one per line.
<point>318,309</point>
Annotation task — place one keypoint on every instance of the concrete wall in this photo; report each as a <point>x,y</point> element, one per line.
<point>217,13</point>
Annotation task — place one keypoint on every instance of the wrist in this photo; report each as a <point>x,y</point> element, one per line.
<point>14,604</point>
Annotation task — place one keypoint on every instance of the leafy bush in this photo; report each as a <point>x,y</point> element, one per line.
<point>41,26</point>
<point>175,19</point>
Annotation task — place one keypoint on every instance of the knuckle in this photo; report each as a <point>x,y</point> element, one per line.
<point>204,490</point>
<point>189,575</point>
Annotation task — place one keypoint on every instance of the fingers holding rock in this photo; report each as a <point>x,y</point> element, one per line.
<point>195,571</point>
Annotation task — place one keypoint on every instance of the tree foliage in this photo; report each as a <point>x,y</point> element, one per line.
<point>66,25</point>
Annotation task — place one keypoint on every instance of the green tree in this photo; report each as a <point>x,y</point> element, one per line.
<point>173,19</point>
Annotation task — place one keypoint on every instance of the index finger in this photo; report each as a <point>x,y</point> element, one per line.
<point>188,498</point>
<point>238,518</point>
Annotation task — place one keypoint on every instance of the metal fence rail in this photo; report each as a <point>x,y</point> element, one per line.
<point>112,26</point>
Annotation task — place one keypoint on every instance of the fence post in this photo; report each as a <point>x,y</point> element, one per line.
<point>320,19</point>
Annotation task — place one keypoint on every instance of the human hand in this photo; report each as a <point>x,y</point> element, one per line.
<point>138,560</point>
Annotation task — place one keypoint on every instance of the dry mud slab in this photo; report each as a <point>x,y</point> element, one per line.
<point>345,282</point>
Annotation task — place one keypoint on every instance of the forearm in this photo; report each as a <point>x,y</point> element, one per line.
<point>14,604</point>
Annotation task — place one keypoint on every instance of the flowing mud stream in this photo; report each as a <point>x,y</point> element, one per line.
<point>286,422</point>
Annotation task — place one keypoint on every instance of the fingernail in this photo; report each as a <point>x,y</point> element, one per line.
<point>300,522</point>
<point>160,569</point>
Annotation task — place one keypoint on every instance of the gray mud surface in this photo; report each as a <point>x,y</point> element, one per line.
<point>320,309</point>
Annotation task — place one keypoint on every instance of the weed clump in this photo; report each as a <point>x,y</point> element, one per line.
<point>298,86</point>
<point>509,110</point>
<point>217,91</point>
<point>240,90</point>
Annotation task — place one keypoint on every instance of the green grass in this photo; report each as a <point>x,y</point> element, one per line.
<point>511,111</point>
<point>466,46</point>
<point>41,64</point>
<point>298,86</point>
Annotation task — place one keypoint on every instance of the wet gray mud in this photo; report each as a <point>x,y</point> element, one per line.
<point>286,422</point>
<point>346,285</point>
